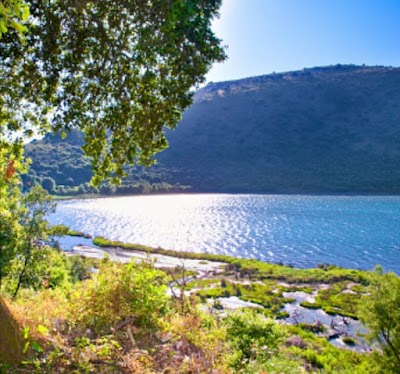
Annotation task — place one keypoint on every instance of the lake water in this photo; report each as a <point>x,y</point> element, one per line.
<point>349,231</point>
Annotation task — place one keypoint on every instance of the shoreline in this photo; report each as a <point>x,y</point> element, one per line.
<point>160,260</point>
<point>309,194</point>
<point>297,289</point>
<point>266,270</point>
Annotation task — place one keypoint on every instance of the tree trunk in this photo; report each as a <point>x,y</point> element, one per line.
<point>11,342</point>
<point>22,273</point>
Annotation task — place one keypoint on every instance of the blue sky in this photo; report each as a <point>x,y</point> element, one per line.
<point>264,36</point>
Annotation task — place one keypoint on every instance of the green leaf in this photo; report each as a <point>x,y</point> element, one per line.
<point>36,347</point>
<point>26,347</point>
<point>3,27</point>
<point>43,330</point>
<point>25,332</point>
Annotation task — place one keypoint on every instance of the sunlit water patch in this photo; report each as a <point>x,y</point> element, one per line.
<point>356,231</point>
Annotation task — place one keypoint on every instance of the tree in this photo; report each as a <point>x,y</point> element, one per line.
<point>11,208</point>
<point>37,203</point>
<point>380,312</point>
<point>119,71</point>
<point>48,184</point>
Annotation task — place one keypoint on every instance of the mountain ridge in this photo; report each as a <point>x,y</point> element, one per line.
<point>332,129</point>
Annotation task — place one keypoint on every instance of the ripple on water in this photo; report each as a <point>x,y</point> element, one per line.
<point>300,230</point>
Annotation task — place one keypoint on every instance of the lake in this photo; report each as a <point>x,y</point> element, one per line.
<point>303,231</point>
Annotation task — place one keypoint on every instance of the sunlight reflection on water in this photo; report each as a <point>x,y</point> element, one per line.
<point>355,231</point>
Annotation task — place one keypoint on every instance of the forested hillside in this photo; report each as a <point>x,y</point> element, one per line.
<point>322,130</point>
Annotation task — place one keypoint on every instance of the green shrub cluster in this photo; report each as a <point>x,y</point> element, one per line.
<point>253,337</point>
<point>84,327</point>
<point>79,317</point>
<point>117,292</point>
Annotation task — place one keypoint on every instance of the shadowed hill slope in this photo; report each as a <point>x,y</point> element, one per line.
<point>322,130</point>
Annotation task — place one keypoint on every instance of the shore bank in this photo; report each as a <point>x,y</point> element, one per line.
<point>322,300</point>
<point>160,261</point>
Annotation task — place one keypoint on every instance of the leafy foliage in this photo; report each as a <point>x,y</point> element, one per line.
<point>119,73</point>
<point>84,328</point>
<point>119,292</point>
<point>28,251</point>
<point>64,162</point>
<point>13,13</point>
<point>253,336</point>
<point>11,209</point>
<point>380,311</point>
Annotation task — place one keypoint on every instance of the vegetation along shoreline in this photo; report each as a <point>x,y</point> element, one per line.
<point>213,310</point>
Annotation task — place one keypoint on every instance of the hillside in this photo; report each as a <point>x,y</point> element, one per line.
<point>321,130</point>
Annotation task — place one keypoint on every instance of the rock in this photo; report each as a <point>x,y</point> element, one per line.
<point>89,333</point>
<point>59,325</point>
<point>296,341</point>
<point>164,338</point>
<point>179,345</point>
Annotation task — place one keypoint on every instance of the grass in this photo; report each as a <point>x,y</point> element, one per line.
<point>78,233</point>
<point>260,294</point>
<point>296,288</point>
<point>63,230</point>
<point>309,305</point>
<point>201,283</point>
<point>253,269</point>
<point>334,301</point>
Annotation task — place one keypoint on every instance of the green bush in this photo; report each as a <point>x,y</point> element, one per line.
<point>252,336</point>
<point>313,327</point>
<point>79,268</point>
<point>48,268</point>
<point>380,312</point>
<point>118,292</point>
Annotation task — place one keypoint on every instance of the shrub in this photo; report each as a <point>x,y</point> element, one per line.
<point>118,292</point>
<point>79,268</point>
<point>252,336</point>
<point>48,268</point>
<point>313,327</point>
<point>380,312</point>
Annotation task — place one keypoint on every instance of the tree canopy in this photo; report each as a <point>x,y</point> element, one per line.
<point>380,312</point>
<point>119,71</point>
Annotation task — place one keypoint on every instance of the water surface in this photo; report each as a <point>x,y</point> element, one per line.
<point>349,231</point>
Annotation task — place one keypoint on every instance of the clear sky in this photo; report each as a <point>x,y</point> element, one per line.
<point>264,36</point>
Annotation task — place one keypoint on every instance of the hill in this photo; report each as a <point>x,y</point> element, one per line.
<point>322,130</point>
